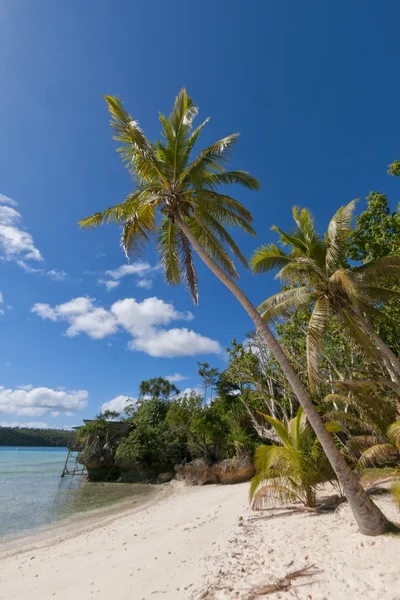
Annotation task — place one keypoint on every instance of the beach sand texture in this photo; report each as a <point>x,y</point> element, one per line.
<point>190,545</point>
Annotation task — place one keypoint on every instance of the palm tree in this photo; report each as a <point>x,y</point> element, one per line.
<point>294,469</point>
<point>194,217</point>
<point>318,274</point>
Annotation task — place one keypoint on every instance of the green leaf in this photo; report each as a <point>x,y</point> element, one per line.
<point>315,337</point>
<point>337,239</point>
<point>279,304</point>
<point>268,257</point>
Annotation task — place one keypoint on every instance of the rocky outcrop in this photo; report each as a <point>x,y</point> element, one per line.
<point>197,472</point>
<point>234,470</point>
<point>100,468</point>
<point>131,472</point>
<point>231,470</point>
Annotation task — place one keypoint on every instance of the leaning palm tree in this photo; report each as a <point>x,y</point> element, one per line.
<point>294,469</point>
<point>318,275</point>
<point>176,199</point>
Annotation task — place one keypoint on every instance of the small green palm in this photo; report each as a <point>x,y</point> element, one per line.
<point>294,470</point>
<point>172,186</point>
<point>318,274</point>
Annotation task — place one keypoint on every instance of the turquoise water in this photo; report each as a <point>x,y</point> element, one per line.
<point>33,495</point>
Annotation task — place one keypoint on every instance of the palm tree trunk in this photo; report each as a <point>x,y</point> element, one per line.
<point>370,519</point>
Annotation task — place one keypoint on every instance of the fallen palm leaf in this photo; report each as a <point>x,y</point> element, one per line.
<point>284,584</point>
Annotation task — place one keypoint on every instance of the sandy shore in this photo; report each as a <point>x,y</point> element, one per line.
<point>190,545</point>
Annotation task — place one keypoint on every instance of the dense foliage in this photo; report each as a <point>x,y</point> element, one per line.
<point>169,430</point>
<point>19,436</point>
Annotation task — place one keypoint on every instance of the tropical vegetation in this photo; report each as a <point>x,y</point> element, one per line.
<point>178,200</point>
<point>293,469</point>
<point>25,436</point>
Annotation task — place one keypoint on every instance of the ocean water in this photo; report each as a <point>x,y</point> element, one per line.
<point>33,494</point>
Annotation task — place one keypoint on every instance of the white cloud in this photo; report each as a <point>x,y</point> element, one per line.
<point>27,268</point>
<point>28,425</point>
<point>145,321</point>
<point>1,298</point>
<point>175,342</point>
<point>147,284</point>
<point>57,275</point>
<point>110,284</point>
<point>15,243</point>
<point>45,311</point>
<point>175,377</point>
<point>119,403</point>
<point>137,268</point>
<point>38,401</point>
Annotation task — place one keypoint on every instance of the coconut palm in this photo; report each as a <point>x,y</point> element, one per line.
<point>176,200</point>
<point>318,275</point>
<point>293,470</point>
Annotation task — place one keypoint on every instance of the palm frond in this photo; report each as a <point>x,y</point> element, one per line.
<point>345,285</point>
<point>117,213</point>
<point>211,159</point>
<point>167,248</point>
<point>268,257</point>
<point>380,453</point>
<point>296,427</point>
<point>225,216</point>
<point>380,294</point>
<point>314,247</point>
<point>137,230</point>
<point>212,245</point>
<point>305,222</point>
<point>221,234</point>
<point>212,180</point>
<point>279,304</point>
<point>280,428</point>
<point>295,240</point>
<point>394,434</point>
<point>187,266</point>
<point>352,322</point>
<point>302,271</point>
<point>315,337</point>
<point>395,489</point>
<point>210,199</point>
<point>181,120</point>
<point>193,138</point>
<point>274,492</point>
<point>136,150</point>
<point>380,270</point>
<point>339,230</point>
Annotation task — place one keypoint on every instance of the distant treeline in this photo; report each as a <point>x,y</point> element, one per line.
<point>18,436</point>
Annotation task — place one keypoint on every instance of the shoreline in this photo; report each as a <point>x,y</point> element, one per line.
<point>192,544</point>
<point>74,525</point>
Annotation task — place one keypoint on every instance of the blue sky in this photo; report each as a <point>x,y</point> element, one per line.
<point>313,89</point>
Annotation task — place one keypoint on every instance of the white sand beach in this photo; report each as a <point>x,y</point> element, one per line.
<point>189,545</point>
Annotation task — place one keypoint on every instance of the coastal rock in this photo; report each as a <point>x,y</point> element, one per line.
<point>231,470</point>
<point>234,470</point>
<point>132,472</point>
<point>100,468</point>
<point>197,472</point>
<point>165,477</point>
